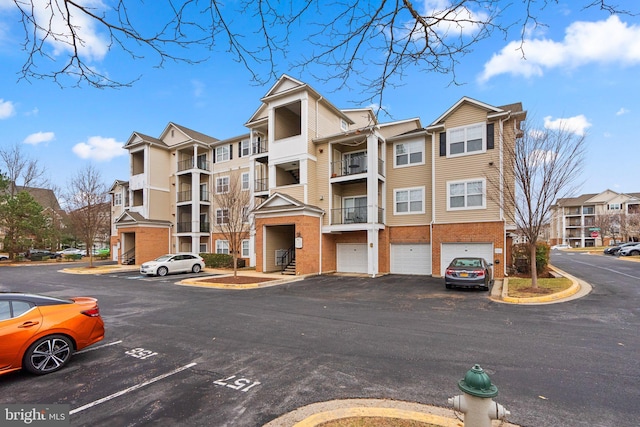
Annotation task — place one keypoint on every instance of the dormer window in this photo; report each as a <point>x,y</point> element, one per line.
<point>344,125</point>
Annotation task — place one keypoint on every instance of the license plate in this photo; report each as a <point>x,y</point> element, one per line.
<point>464,274</point>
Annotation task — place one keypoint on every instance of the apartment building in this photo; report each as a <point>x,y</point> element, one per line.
<point>595,219</point>
<point>331,190</point>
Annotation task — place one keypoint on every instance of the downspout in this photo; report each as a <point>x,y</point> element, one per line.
<point>502,178</point>
<point>320,244</point>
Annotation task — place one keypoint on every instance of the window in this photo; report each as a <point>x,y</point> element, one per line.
<point>614,206</point>
<point>466,194</point>
<point>245,181</point>
<point>117,199</point>
<point>408,153</point>
<point>245,214</point>
<point>466,140</point>
<point>222,184</point>
<point>222,247</point>
<point>354,209</point>
<point>408,201</point>
<point>222,153</point>
<point>245,148</point>
<point>222,216</point>
<point>245,248</point>
<point>344,125</point>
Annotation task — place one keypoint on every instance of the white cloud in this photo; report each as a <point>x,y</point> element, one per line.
<point>39,137</point>
<point>51,14</point>
<point>578,124</point>
<point>99,149</point>
<point>601,42</point>
<point>6,109</point>
<point>457,21</point>
<point>622,111</point>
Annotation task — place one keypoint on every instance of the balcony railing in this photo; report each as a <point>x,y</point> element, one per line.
<point>205,227</point>
<point>354,166</point>
<point>184,196</point>
<point>355,215</point>
<point>184,227</point>
<point>187,164</point>
<point>261,184</point>
<point>259,147</point>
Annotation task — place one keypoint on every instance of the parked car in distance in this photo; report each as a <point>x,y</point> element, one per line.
<point>613,250</point>
<point>561,246</point>
<point>630,250</point>
<point>469,272</point>
<point>101,252</point>
<point>41,254</point>
<point>4,257</point>
<point>173,263</point>
<point>70,251</point>
<point>40,334</point>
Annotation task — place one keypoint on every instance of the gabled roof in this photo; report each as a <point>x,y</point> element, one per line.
<point>279,202</point>
<point>491,110</point>
<point>138,138</point>
<point>45,197</point>
<point>189,133</point>
<point>117,183</point>
<point>130,217</point>
<point>287,85</point>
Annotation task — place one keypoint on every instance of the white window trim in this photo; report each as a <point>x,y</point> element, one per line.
<point>245,254</point>
<point>220,242</point>
<point>466,153</point>
<point>407,190</point>
<point>117,199</point>
<point>245,144</point>
<point>409,164</point>
<point>225,148</point>
<point>220,178</point>
<point>242,182</point>
<point>223,216</point>
<point>465,207</point>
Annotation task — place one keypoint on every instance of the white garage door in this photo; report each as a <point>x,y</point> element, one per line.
<point>453,250</point>
<point>352,258</point>
<point>411,258</point>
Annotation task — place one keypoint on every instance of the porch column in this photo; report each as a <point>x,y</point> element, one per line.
<point>372,179</point>
<point>372,251</point>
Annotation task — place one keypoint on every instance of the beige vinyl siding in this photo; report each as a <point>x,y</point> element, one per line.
<point>295,191</point>
<point>466,168</point>
<point>408,177</point>
<point>312,183</point>
<point>160,167</point>
<point>320,179</point>
<point>398,128</point>
<point>361,118</point>
<point>160,206</point>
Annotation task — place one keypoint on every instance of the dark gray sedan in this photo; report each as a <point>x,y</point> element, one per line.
<point>469,272</point>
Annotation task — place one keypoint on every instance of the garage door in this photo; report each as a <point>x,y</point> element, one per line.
<point>352,258</point>
<point>453,250</point>
<point>411,259</point>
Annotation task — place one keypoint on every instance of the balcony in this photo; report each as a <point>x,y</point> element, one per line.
<point>259,147</point>
<point>183,227</point>
<point>353,215</point>
<point>260,185</point>
<point>353,166</point>
<point>187,164</point>
<point>184,196</point>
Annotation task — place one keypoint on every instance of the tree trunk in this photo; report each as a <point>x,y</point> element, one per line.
<point>235,264</point>
<point>534,266</point>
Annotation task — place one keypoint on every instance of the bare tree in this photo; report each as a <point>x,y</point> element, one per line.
<point>232,204</point>
<point>87,207</point>
<point>543,167</point>
<point>609,225</point>
<point>20,170</point>
<point>343,41</point>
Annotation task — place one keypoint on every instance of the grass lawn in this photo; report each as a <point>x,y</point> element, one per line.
<point>521,287</point>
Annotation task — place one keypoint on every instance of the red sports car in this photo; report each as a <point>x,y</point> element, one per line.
<point>40,333</point>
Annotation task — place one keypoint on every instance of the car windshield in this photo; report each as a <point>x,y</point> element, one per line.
<point>163,258</point>
<point>465,262</point>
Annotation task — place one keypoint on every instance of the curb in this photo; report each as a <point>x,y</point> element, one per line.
<point>317,413</point>
<point>576,286</point>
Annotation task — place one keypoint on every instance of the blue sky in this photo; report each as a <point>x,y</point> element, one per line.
<point>581,69</point>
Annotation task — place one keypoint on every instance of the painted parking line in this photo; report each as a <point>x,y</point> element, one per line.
<point>86,350</point>
<point>130,389</point>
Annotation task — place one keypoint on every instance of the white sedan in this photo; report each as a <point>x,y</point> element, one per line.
<point>173,263</point>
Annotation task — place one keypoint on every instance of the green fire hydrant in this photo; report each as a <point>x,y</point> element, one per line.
<point>477,403</point>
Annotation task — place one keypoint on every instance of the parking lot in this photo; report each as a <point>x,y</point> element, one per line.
<point>200,356</point>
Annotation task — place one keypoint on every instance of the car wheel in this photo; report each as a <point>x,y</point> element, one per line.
<point>196,268</point>
<point>448,286</point>
<point>634,253</point>
<point>162,271</point>
<point>48,354</point>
